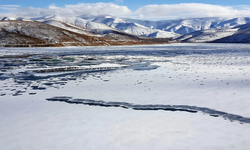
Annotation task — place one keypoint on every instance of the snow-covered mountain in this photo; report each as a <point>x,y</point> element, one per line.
<point>76,21</point>
<point>185,26</point>
<point>130,27</point>
<point>237,34</point>
<point>154,29</point>
<point>178,26</point>
<point>76,24</point>
<point>69,27</point>
<point>14,32</point>
<point>15,18</point>
<point>82,26</point>
<point>104,27</point>
<point>241,36</point>
<point>125,29</point>
<point>137,29</point>
<point>207,35</point>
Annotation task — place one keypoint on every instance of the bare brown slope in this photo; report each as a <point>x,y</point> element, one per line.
<point>9,39</point>
<point>32,33</point>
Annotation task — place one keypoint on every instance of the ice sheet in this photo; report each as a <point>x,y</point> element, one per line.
<point>214,76</point>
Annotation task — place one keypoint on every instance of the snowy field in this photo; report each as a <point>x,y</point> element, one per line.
<point>171,97</point>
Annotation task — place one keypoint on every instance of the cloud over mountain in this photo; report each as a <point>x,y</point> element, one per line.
<point>191,10</point>
<point>72,10</point>
<point>165,11</point>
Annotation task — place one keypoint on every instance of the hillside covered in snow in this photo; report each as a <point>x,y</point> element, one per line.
<point>238,34</point>
<point>183,30</point>
<point>111,30</point>
<point>178,26</point>
<point>19,32</point>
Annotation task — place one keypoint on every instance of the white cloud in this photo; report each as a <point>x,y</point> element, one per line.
<point>73,10</point>
<point>9,7</point>
<point>166,11</point>
<point>99,8</point>
<point>186,10</point>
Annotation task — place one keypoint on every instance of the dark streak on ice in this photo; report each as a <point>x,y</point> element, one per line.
<point>184,108</point>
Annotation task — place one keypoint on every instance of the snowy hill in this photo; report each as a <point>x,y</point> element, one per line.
<point>137,29</point>
<point>238,34</point>
<point>206,35</point>
<point>15,18</point>
<point>104,24</point>
<point>130,27</point>
<point>35,33</point>
<point>124,29</point>
<point>241,36</point>
<point>78,25</point>
<point>74,21</point>
<point>69,27</point>
<point>185,26</point>
<point>178,26</point>
<point>16,33</point>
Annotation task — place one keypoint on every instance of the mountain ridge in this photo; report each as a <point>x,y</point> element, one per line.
<point>115,31</point>
<point>15,33</point>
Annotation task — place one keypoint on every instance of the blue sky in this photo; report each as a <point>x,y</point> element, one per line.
<point>143,9</point>
<point>132,4</point>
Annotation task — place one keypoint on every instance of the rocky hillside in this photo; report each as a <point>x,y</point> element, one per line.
<point>19,33</point>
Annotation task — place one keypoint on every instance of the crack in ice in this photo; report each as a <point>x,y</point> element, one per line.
<point>184,108</point>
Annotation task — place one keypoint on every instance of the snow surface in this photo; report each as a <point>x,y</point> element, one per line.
<point>215,76</point>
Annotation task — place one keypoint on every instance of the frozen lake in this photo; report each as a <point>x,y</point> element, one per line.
<point>175,96</point>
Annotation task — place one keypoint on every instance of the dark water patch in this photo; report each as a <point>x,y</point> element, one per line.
<point>2,94</point>
<point>16,94</point>
<point>48,84</point>
<point>72,78</point>
<point>38,88</point>
<point>64,79</point>
<point>32,93</point>
<point>60,82</point>
<point>184,108</point>
<point>20,82</point>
